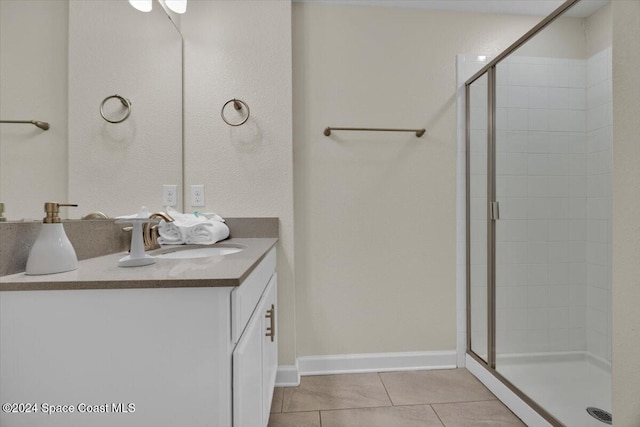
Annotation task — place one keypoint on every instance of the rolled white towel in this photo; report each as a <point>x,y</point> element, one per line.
<point>169,234</point>
<point>202,229</point>
<point>207,233</point>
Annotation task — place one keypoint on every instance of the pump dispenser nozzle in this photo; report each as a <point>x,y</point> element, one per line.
<point>52,209</point>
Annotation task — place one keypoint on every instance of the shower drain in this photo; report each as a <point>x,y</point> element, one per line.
<point>599,414</point>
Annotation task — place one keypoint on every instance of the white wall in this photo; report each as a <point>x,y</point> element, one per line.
<point>33,84</point>
<point>115,49</point>
<point>626,212</point>
<point>374,212</point>
<point>597,30</point>
<point>243,50</point>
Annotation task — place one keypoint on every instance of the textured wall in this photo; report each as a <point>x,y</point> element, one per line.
<point>597,30</point>
<point>375,222</point>
<point>626,212</point>
<point>115,49</point>
<point>33,86</point>
<point>243,50</point>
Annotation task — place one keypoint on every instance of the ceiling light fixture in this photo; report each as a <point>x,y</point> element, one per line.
<point>178,6</point>
<point>141,5</point>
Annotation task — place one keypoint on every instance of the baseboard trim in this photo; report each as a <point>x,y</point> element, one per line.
<point>288,376</point>
<point>376,362</point>
<point>506,396</point>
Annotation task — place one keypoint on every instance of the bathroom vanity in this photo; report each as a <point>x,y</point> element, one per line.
<point>183,342</point>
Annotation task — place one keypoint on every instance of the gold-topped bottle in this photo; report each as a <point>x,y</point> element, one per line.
<point>52,251</point>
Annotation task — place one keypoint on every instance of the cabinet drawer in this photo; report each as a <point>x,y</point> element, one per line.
<point>246,296</point>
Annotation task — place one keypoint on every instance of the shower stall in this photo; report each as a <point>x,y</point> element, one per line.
<point>538,215</point>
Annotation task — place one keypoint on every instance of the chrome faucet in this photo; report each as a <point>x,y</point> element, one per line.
<point>150,231</point>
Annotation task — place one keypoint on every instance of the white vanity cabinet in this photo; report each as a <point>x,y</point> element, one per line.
<point>182,356</point>
<point>255,364</point>
<point>269,348</point>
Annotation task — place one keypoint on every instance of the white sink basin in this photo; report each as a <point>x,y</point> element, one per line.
<point>191,252</point>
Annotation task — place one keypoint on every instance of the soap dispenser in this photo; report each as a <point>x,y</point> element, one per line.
<point>52,252</point>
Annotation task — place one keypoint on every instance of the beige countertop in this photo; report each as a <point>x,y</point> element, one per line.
<point>103,272</point>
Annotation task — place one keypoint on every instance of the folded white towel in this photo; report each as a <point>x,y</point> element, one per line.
<point>207,233</point>
<point>169,233</point>
<point>205,229</point>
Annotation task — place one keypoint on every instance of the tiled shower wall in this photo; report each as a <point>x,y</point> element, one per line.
<point>553,151</point>
<point>541,187</point>
<point>598,239</point>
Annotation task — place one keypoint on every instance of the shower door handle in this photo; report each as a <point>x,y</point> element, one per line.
<point>495,211</point>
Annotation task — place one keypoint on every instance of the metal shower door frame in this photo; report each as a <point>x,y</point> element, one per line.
<point>490,70</point>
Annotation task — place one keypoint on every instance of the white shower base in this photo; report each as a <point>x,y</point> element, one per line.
<point>565,384</point>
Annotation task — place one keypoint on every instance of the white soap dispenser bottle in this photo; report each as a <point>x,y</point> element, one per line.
<point>52,252</point>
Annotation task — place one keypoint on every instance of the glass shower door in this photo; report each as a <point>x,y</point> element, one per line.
<point>551,174</point>
<point>521,230</point>
<point>529,242</point>
<point>539,217</point>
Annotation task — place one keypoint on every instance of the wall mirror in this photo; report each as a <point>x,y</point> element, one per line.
<point>59,61</point>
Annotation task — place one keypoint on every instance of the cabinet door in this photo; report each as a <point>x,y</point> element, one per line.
<point>269,346</point>
<point>247,374</point>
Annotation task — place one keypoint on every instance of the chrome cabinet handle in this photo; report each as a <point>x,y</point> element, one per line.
<point>271,329</point>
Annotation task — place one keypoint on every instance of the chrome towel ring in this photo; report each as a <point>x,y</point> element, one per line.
<point>124,101</point>
<point>238,105</point>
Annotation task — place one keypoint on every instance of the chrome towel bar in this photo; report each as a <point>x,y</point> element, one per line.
<point>41,125</point>
<point>419,132</point>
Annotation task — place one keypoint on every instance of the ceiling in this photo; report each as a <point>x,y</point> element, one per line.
<point>510,7</point>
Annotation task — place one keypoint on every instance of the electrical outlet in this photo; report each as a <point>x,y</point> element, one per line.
<point>169,195</point>
<point>197,195</point>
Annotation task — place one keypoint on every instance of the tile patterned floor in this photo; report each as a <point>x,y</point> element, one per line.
<point>449,398</point>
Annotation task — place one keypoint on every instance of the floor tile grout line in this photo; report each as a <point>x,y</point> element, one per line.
<point>463,401</point>
<point>453,402</point>
<point>435,412</point>
<point>302,412</point>
<point>365,407</point>
<point>392,406</point>
<point>429,404</point>
<point>344,409</point>
<point>385,389</point>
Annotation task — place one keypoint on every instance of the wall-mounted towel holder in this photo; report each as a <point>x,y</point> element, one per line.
<point>237,105</point>
<point>124,101</point>
<point>418,132</point>
<point>41,125</point>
